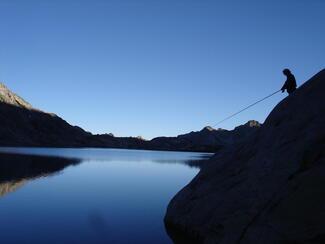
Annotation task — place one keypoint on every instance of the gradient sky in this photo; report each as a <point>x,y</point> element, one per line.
<point>150,68</point>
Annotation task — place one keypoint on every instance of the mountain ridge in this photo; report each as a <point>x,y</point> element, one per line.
<point>23,125</point>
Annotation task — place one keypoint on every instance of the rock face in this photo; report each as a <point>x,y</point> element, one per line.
<point>23,125</point>
<point>268,189</point>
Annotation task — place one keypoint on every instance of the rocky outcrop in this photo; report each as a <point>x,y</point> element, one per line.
<point>268,189</point>
<point>8,97</point>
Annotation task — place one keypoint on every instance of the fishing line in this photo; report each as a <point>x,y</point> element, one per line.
<point>242,110</point>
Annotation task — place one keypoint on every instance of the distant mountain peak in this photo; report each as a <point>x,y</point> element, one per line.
<point>253,123</point>
<point>7,96</point>
<point>208,128</point>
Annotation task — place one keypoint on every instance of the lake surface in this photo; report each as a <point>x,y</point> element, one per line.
<point>89,195</point>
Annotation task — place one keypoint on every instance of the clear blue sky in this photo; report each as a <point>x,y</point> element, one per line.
<point>155,68</point>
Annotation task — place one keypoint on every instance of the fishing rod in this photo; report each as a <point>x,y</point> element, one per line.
<point>242,110</point>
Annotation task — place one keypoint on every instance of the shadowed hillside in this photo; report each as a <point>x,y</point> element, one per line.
<point>207,139</point>
<point>28,127</point>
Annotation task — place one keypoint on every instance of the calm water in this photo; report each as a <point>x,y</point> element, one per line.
<point>90,196</point>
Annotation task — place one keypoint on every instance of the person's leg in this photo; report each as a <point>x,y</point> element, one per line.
<point>291,90</point>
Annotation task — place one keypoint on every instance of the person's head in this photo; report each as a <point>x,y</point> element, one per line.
<point>286,72</point>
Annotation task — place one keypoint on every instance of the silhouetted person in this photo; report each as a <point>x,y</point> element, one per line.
<point>290,85</point>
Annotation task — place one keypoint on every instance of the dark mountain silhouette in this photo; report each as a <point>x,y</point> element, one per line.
<point>207,139</point>
<point>23,125</point>
<point>268,189</point>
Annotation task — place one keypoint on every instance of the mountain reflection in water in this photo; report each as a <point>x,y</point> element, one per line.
<point>106,196</point>
<point>16,170</point>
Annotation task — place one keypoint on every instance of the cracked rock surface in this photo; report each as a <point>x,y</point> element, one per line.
<point>268,189</point>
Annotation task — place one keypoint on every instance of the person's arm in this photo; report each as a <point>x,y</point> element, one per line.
<point>284,86</point>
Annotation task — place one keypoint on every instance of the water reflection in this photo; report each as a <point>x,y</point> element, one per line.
<point>16,170</point>
<point>108,196</point>
<point>10,186</point>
